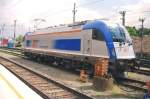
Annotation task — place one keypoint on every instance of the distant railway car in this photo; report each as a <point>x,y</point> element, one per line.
<point>4,42</point>
<point>10,43</point>
<point>86,42</point>
<point>0,43</point>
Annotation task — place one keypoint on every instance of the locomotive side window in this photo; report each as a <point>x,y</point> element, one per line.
<point>28,43</point>
<point>97,35</point>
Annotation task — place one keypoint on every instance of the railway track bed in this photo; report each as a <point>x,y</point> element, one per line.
<point>44,86</point>
<point>133,84</point>
<point>12,52</point>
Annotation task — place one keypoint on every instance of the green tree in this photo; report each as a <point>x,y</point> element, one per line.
<point>19,39</point>
<point>132,31</point>
<point>137,32</point>
<point>146,31</point>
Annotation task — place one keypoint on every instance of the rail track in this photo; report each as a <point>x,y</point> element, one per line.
<point>142,71</point>
<point>133,84</point>
<point>144,62</point>
<point>47,87</point>
<point>16,52</point>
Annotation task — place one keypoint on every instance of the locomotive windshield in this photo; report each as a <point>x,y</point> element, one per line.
<point>118,33</point>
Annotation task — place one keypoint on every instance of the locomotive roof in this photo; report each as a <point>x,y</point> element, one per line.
<point>61,28</point>
<point>67,28</point>
<point>57,29</point>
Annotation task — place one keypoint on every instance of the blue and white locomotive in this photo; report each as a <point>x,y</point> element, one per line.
<point>84,42</point>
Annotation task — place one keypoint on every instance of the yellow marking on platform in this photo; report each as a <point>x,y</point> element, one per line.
<point>11,87</point>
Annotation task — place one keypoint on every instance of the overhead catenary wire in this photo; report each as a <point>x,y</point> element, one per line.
<point>68,9</point>
<point>64,10</point>
<point>77,6</point>
<point>53,13</point>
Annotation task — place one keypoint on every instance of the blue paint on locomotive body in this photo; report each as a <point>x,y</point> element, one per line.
<point>101,26</point>
<point>68,44</point>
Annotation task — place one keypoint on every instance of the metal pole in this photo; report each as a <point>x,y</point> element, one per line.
<point>15,29</point>
<point>123,13</point>
<point>142,32</point>
<point>2,32</point>
<point>74,12</point>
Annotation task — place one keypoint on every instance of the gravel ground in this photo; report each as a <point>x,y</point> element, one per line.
<point>71,79</point>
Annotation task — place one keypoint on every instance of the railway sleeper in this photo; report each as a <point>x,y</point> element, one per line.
<point>134,84</point>
<point>43,85</point>
<point>60,94</point>
<point>17,70</point>
<point>64,97</point>
<point>26,75</point>
<point>33,78</point>
<point>48,88</point>
<point>135,87</point>
<point>37,82</point>
<point>53,91</point>
<point>30,76</point>
<point>21,72</point>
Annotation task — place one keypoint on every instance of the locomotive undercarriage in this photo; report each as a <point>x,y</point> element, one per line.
<point>116,69</point>
<point>63,63</point>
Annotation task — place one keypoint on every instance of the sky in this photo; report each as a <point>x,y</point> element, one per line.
<point>56,12</point>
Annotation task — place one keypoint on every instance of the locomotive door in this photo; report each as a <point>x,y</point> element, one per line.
<point>87,42</point>
<point>35,44</point>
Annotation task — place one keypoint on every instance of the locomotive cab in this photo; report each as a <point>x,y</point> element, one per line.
<point>122,42</point>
